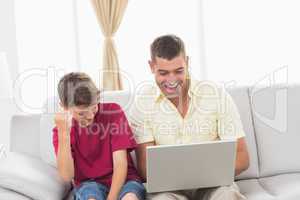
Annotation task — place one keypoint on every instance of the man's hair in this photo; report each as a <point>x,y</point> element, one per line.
<point>167,47</point>
<point>77,89</point>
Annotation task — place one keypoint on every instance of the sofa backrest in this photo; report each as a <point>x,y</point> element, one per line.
<point>276,123</point>
<point>37,138</point>
<point>25,134</point>
<point>241,99</point>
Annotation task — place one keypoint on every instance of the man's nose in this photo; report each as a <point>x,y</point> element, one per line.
<point>172,78</point>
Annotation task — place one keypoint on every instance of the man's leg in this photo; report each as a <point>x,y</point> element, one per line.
<point>231,192</point>
<point>176,195</point>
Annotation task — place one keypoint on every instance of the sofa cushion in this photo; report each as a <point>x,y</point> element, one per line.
<point>276,122</point>
<point>252,189</point>
<point>46,146</point>
<point>284,187</point>
<point>10,194</point>
<point>32,177</point>
<point>241,98</point>
<point>24,134</point>
<point>47,153</point>
<point>123,98</point>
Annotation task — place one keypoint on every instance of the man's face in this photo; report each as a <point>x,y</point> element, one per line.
<point>170,75</point>
<point>84,115</point>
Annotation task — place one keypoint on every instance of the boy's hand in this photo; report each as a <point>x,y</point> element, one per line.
<point>63,121</point>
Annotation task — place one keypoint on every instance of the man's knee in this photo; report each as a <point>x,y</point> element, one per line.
<point>166,196</point>
<point>91,199</point>
<point>225,192</point>
<point>130,196</point>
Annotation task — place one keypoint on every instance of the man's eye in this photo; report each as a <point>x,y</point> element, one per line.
<point>179,71</point>
<point>163,73</point>
<point>80,114</point>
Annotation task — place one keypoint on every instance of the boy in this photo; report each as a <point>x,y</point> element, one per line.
<point>92,143</point>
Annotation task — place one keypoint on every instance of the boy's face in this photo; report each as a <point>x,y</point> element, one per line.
<point>84,115</point>
<point>170,75</point>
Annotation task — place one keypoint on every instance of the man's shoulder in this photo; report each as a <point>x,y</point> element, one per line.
<point>206,88</point>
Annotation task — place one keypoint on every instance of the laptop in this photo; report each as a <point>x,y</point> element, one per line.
<point>190,166</point>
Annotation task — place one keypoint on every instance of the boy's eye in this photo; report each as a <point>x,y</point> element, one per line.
<point>80,114</point>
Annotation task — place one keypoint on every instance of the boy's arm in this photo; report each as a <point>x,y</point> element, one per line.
<point>119,173</point>
<point>65,163</point>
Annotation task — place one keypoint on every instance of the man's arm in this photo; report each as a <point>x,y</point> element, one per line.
<point>141,158</point>
<point>242,156</point>
<point>119,173</point>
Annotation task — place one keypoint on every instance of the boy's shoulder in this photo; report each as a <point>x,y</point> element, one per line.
<point>109,111</point>
<point>109,107</point>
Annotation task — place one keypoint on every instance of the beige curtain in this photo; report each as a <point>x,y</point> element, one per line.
<point>110,14</point>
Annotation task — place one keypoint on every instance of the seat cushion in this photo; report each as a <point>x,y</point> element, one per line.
<point>252,189</point>
<point>241,99</point>
<point>284,187</point>
<point>276,122</point>
<point>10,194</point>
<point>32,177</point>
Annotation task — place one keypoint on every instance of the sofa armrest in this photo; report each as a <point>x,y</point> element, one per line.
<point>32,177</point>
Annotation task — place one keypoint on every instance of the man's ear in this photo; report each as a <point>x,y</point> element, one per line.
<point>152,65</point>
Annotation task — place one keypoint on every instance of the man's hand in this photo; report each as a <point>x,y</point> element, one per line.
<point>141,158</point>
<point>242,156</point>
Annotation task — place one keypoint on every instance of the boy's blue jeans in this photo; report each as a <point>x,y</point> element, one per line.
<point>92,189</point>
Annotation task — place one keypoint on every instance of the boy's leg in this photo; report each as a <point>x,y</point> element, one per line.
<point>132,190</point>
<point>90,190</point>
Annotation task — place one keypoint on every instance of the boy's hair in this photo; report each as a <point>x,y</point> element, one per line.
<point>167,47</point>
<point>77,89</point>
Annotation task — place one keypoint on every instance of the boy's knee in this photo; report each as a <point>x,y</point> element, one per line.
<point>91,199</point>
<point>130,196</point>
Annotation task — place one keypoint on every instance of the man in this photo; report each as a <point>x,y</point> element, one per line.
<point>179,110</point>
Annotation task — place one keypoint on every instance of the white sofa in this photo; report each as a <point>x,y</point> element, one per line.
<point>269,116</point>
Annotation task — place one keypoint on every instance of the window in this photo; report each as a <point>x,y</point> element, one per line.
<point>143,21</point>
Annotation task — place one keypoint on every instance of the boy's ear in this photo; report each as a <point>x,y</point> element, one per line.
<point>62,107</point>
<point>152,65</point>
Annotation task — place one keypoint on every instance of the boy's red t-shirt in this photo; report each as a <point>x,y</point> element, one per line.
<point>93,146</point>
